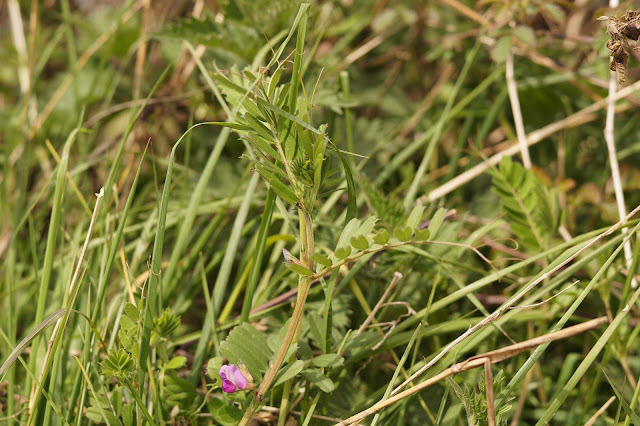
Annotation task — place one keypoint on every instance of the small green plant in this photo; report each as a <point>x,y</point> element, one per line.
<point>474,400</point>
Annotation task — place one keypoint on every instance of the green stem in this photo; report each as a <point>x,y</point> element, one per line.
<point>307,241</point>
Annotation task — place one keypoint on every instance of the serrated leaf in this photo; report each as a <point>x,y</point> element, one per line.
<point>436,222</point>
<point>246,344</point>
<point>328,360</point>
<point>414,217</point>
<point>323,383</point>
<point>321,259</point>
<point>175,363</point>
<point>224,413</point>
<point>289,372</point>
<point>383,205</point>
<point>531,210</point>
<point>233,36</point>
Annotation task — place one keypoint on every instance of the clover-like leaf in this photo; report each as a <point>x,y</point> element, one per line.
<point>382,237</point>
<point>343,252</point>
<point>403,233</point>
<point>359,242</point>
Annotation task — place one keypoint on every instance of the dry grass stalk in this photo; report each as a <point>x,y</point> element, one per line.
<point>484,360</point>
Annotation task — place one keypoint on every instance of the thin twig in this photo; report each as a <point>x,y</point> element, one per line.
<point>496,314</point>
<point>601,411</point>
<point>397,276</point>
<point>545,300</point>
<point>488,378</point>
<point>583,116</point>
<point>517,113</point>
<point>613,157</point>
<point>479,361</point>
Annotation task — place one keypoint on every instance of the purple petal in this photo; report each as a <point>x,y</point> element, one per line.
<point>228,387</point>
<point>232,378</point>
<point>224,372</point>
<point>238,378</point>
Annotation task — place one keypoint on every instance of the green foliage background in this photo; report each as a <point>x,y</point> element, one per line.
<point>229,132</point>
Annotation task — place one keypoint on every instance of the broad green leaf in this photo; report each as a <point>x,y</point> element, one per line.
<point>273,82</point>
<point>328,360</point>
<point>315,327</point>
<point>367,227</point>
<point>323,383</point>
<point>321,259</point>
<point>414,217</point>
<point>96,415</point>
<point>349,231</point>
<point>525,34</point>
<point>359,242</point>
<point>299,269</point>
<point>132,311</point>
<point>126,323</point>
<point>116,399</point>
<point>175,363</point>
<point>225,413</point>
<point>501,49</point>
<point>289,372</point>
<point>436,222</point>
<point>246,344</point>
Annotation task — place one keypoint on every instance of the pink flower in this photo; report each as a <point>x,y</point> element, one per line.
<point>232,378</point>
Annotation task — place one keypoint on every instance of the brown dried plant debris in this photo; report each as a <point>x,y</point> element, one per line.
<point>619,31</point>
